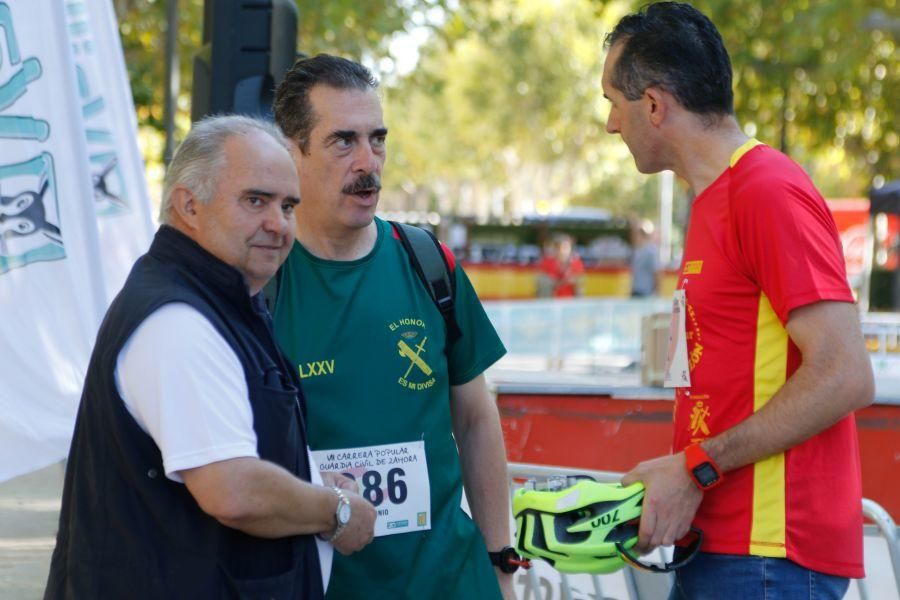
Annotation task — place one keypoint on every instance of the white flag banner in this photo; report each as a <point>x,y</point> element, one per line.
<point>117,169</point>
<point>52,291</point>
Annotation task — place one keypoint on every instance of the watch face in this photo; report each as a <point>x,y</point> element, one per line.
<point>343,514</point>
<point>706,474</point>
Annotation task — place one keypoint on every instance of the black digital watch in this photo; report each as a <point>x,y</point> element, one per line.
<point>508,561</point>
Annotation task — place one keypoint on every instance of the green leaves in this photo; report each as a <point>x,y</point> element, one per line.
<point>822,76</point>
<point>505,106</point>
<point>506,101</point>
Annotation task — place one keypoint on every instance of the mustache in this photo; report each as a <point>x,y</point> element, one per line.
<point>365,183</point>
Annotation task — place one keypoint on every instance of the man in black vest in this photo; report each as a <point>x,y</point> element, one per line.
<point>189,474</point>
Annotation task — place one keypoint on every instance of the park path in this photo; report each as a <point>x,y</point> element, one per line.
<point>29,515</point>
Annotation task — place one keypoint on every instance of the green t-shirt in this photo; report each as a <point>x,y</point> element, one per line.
<point>368,343</point>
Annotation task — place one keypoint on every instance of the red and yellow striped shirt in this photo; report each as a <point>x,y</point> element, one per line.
<point>761,242</point>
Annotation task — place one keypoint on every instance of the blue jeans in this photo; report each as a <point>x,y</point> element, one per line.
<point>726,576</point>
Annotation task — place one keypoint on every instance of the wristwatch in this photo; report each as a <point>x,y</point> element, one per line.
<point>342,515</point>
<point>508,561</point>
<point>702,469</point>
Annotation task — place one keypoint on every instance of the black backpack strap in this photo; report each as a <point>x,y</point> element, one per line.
<point>427,259</point>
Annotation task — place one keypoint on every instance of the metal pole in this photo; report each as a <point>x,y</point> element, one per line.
<point>172,79</point>
<point>868,259</point>
<point>887,528</point>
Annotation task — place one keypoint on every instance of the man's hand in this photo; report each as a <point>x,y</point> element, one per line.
<point>361,528</point>
<point>670,502</point>
<point>332,479</point>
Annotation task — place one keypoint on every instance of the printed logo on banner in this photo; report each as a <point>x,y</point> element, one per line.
<point>29,206</point>
<point>110,192</point>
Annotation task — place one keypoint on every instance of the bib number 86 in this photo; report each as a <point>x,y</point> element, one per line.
<point>373,492</point>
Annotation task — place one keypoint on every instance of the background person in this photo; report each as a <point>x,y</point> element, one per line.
<point>380,376</point>
<point>546,276</point>
<point>766,461</point>
<point>563,267</point>
<point>644,260</point>
<point>189,472</point>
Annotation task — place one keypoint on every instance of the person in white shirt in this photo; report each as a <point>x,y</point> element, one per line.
<point>189,471</point>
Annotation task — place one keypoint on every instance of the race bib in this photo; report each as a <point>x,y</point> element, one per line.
<point>325,549</point>
<point>678,372</point>
<point>393,477</point>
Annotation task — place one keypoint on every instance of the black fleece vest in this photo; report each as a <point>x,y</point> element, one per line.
<point>126,530</point>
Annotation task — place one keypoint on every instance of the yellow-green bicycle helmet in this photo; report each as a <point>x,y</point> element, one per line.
<point>588,527</point>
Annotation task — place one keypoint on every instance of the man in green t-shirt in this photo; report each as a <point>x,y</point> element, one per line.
<point>390,402</point>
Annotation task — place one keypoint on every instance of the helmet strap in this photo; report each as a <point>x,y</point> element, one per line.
<point>687,556</point>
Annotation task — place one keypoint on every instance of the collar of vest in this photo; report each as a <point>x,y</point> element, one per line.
<point>171,246</point>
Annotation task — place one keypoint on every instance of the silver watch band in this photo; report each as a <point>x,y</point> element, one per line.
<point>339,526</point>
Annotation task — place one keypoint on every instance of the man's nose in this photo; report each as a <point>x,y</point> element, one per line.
<point>274,219</point>
<point>612,125</point>
<point>366,159</point>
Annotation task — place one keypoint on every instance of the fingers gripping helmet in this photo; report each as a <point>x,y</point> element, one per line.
<point>576,529</point>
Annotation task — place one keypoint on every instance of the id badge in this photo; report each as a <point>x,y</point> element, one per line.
<point>678,372</point>
<point>393,477</point>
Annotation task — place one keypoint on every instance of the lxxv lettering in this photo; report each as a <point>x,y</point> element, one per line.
<point>316,368</point>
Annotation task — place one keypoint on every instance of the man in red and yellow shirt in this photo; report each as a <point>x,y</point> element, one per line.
<point>773,362</point>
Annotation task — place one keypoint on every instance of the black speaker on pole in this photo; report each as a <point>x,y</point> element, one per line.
<point>248,45</point>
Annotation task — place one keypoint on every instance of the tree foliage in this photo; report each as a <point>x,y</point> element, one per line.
<point>357,28</point>
<point>351,28</point>
<point>504,108</point>
<point>509,94</point>
<point>143,26</point>
<point>821,80</point>
<point>506,105</point>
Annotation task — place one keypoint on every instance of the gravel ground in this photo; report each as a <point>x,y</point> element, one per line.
<point>29,514</point>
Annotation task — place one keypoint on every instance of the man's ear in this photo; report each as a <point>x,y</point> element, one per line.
<point>184,206</point>
<point>657,104</point>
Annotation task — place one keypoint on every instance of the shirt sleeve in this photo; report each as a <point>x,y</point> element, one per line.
<point>185,387</point>
<point>790,243</point>
<point>480,346</point>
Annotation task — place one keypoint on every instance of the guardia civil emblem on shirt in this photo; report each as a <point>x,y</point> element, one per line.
<point>413,346</point>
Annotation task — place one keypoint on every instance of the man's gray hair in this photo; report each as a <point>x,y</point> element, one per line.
<point>201,156</point>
